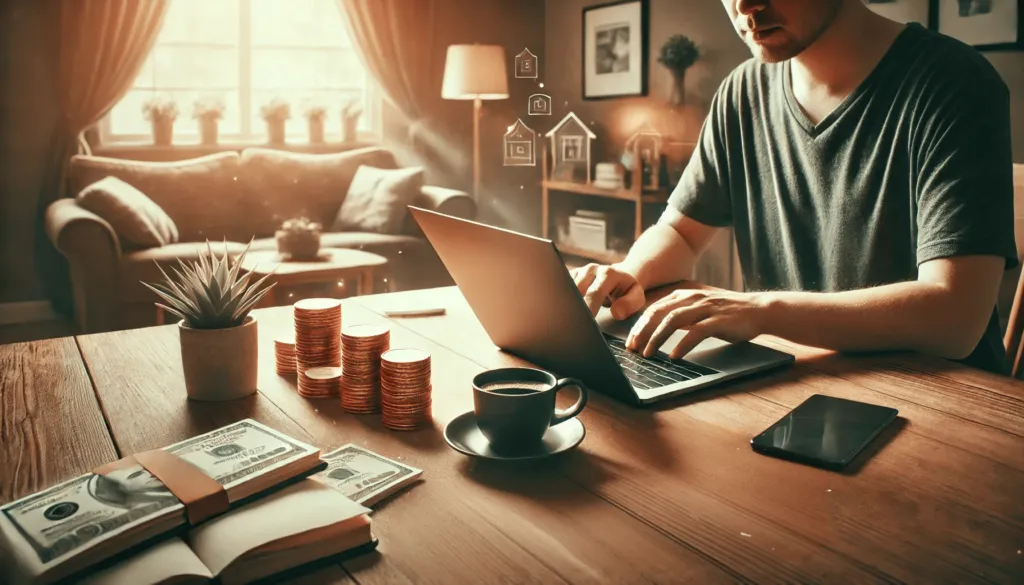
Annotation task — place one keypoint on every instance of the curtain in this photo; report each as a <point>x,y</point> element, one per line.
<point>396,43</point>
<point>101,45</point>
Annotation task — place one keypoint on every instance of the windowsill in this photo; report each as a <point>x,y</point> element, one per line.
<point>146,150</point>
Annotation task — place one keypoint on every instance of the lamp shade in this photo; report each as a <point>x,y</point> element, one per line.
<point>475,71</point>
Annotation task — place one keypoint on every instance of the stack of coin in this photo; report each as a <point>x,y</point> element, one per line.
<point>405,389</point>
<point>361,346</point>
<point>317,339</point>
<point>284,355</point>
<point>322,382</point>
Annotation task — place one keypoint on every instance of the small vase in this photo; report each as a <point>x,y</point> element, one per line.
<point>208,131</point>
<point>316,130</point>
<point>298,245</point>
<point>220,364</point>
<point>275,131</point>
<point>678,88</point>
<point>349,132</point>
<point>163,130</point>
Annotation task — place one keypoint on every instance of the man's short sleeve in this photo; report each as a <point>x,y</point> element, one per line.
<point>964,168</point>
<point>703,190</point>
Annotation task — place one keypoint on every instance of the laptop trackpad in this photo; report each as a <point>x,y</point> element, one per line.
<point>621,329</point>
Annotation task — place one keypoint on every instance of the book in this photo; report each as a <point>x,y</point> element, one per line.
<point>295,526</point>
<point>65,529</point>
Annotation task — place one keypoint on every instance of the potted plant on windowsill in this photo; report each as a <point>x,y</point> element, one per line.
<point>218,336</point>
<point>678,54</point>
<point>350,113</point>
<point>161,111</point>
<point>315,115</point>
<point>275,113</point>
<point>299,239</point>
<point>208,110</point>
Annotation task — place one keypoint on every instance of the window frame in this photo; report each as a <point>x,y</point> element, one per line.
<point>372,99</point>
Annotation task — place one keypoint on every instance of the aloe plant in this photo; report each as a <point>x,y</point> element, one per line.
<point>212,292</point>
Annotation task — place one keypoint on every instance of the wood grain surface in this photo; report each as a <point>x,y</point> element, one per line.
<point>936,500</point>
<point>51,428</point>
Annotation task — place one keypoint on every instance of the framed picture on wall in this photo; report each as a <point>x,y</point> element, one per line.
<point>615,49</point>
<point>902,10</point>
<point>987,25</point>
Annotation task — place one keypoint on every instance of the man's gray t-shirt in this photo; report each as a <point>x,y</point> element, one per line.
<point>914,165</point>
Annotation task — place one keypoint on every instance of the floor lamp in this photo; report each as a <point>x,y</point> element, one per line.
<point>475,72</point>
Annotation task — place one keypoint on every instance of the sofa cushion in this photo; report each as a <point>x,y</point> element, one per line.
<point>137,221</point>
<point>377,199</point>
<point>201,195</point>
<point>282,185</point>
<point>141,265</point>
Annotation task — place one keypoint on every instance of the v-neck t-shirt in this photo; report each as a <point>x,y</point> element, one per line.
<point>915,164</point>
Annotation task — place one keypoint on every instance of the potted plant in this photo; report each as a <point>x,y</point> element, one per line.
<point>350,121</point>
<point>161,111</point>
<point>275,113</point>
<point>218,336</point>
<point>299,239</point>
<point>315,115</point>
<point>208,110</point>
<point>678,54</point>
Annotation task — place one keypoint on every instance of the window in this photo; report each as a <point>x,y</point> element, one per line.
<point>246,52</point>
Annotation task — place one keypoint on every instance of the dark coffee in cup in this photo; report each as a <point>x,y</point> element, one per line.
<point>515,406</point>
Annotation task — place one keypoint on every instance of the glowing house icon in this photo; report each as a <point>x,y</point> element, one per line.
<point>526,64</point>
<point>519,145</point>
<point>539,105</point>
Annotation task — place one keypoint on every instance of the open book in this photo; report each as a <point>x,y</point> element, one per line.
<point>300,524</point>
<point>68,528</point>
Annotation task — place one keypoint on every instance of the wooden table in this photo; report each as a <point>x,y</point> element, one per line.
<point>334,265</point>
<point>666,494</point>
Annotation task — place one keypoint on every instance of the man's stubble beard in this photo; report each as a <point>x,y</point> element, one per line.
<point>794,46</point>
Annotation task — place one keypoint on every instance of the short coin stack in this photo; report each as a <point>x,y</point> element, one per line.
<point>361,346</point>
<point>284,355</point>
<point>405,389</point>
<point>323,382</point>
<point>317,343</point>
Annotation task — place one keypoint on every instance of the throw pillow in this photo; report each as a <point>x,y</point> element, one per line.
<point>135,218</point>
<point>377,199</point>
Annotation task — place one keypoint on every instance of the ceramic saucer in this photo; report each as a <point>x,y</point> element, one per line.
<point>464,436</point>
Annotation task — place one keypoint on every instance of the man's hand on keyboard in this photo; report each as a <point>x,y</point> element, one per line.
<point>727,315</point>
<point>609,286</point>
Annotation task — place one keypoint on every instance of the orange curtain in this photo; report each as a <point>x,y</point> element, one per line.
<point>101,45</point>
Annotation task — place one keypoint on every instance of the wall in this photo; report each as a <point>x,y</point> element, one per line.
<point>705,22</point>
<point>27,117</point>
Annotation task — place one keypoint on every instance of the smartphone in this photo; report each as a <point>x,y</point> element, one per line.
<point>824,431</point>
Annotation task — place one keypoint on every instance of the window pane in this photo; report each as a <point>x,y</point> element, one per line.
<point>298,22</point>
<point>179,67</point>
<point>200,21</point>
<point>305,68</point>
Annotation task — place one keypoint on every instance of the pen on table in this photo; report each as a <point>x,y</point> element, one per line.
<point>415,312</point>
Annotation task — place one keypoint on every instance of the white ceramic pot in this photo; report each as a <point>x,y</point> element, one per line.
<point>220,364</point>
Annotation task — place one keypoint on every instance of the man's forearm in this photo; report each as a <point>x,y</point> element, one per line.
<point>916,316</point>
<point>659,256</point>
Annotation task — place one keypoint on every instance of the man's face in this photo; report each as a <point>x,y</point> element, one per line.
<point>781,29</point>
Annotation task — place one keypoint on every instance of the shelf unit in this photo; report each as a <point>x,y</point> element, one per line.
<point>635,194</point>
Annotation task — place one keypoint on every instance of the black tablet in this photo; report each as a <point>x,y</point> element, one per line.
<point>824,431</point>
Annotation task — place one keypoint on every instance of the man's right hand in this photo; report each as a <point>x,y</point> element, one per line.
<point>609,286</point>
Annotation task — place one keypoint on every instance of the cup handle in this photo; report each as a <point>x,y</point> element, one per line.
<point>560,416</point>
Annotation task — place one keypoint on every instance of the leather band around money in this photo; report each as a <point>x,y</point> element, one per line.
<point>202,496</point>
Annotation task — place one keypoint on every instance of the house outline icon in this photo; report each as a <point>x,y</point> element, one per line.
<point>526,64</point>
<point>519,145</point>
<point>539,104</point>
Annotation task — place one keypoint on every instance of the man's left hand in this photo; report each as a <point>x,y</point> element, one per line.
<point>730,316</point>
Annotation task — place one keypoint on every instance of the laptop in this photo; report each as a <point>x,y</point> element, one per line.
<point>524,296</point>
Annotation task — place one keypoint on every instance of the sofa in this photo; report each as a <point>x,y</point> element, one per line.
<point>228,197</point>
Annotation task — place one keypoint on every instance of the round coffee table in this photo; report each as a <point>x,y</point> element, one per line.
<point>335,267</point>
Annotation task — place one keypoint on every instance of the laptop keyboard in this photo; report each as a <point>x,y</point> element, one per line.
<point>655,371</point>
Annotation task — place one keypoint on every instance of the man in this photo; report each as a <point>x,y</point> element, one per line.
<point>865,168</point>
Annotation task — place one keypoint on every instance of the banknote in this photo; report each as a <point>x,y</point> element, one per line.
<point>364,476</point>
<point>90,508</point>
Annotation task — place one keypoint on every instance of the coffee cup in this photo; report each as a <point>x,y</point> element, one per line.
<point>514,407</point>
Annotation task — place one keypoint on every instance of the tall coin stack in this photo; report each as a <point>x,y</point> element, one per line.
<point>317,343</point>
<point>284,355</point>
<point>405,389</point>
<point>323,382</point>
<point>361,347</point>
